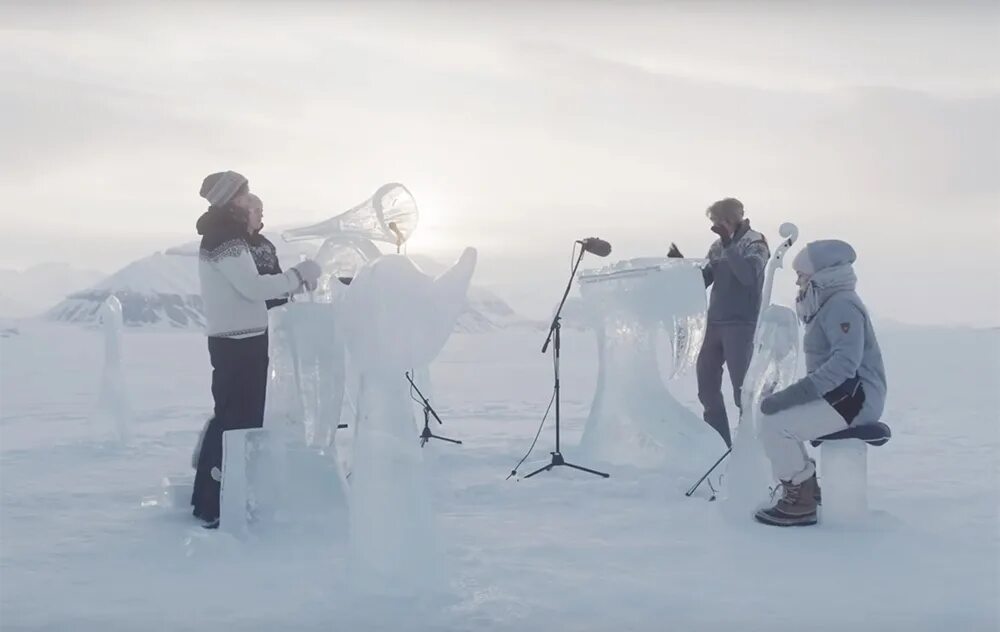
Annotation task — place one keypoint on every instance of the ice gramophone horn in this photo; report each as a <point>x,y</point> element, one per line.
<point>390,215</point>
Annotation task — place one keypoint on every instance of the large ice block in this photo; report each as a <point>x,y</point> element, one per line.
<point>645,311</point>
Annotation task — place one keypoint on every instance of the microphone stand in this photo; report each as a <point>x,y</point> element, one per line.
<point>554,339</point>
<point>426,435</point>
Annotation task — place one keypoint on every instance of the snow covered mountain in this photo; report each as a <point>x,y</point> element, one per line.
<point>158,290</point>
<point>30,292</point>
<point>163,290</point>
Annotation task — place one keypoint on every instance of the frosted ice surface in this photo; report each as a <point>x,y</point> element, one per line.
<point>113,402</point>
<point>266,481</point>
<point>844,470</point>
<point>250,480</point>
<point>307,373</point>
<point>341,256</point>
<point>395,318</point>
<point>774,365</point>
<point>634,418</point>
<point>111,324</point>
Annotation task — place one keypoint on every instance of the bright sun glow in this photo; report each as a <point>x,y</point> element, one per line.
<point>432,234</point>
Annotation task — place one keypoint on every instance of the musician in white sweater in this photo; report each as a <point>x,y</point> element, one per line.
<point>235,298</point>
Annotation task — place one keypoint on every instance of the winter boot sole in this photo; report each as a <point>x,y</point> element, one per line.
<point>779,519</point>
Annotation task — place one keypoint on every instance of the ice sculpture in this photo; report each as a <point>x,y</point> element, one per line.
<point>268,480</point>
<point>395,318</point>
<point>114,401</point>
<point>307,373</point>
<point>390,215</point>
<point>634,419</point>
<point>250,479</point>
<point>773,366</point>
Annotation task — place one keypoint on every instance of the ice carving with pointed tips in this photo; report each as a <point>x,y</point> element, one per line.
<point>395,318</point>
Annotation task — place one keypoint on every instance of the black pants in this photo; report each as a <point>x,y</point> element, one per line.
<point>239,386</point>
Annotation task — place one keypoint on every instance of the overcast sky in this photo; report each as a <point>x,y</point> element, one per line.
<point>519,127</point>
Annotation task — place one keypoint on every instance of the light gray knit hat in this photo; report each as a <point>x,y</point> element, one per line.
<point>219,188</point>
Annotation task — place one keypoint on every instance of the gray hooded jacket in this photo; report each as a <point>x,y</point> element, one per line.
<point>736,274</point>
<point>840,345</point>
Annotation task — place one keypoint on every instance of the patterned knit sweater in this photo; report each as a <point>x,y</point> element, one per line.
<point>233,291</point>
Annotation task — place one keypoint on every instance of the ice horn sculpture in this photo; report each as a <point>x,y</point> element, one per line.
<point>389,215</point>
<point>395,318</point>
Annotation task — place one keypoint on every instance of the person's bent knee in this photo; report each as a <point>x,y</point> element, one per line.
<point>771,425</point>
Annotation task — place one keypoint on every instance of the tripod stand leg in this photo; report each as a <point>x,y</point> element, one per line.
<point>544,468</point>
<point>434,436</point>
<point>588,470</point>
<point>710,470</point>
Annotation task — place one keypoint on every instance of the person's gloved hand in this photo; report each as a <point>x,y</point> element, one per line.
<point>674,252</point>
<point>309,272</point>
<point>723,234</point>
<point>801,392</point>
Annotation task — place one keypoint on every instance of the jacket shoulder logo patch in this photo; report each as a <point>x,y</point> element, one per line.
<point>845,327</point>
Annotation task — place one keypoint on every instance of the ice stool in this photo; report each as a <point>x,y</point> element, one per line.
<point>844,469</point>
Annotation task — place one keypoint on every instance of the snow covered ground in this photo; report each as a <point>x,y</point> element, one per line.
<point>84,547</point>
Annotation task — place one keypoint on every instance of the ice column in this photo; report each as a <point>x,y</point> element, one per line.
<point>114,401</point>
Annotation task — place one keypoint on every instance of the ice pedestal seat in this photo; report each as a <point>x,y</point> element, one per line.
<point>844,476</point>
<point>643,310</point>
<point>843,471</point>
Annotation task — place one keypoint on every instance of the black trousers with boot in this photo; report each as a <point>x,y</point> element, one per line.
<point>239,387</point>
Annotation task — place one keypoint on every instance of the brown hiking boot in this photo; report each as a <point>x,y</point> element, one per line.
<point>795,508</point>
<point>817,493</point>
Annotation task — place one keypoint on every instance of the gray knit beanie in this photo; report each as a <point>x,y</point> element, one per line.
<point>220,188</point>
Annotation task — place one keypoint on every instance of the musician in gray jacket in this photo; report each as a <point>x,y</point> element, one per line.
<point>735,272</point>
<point>844,384</point>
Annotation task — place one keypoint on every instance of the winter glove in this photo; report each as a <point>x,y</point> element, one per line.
<point>308,272</point>
<point>801,392</point>
<point>674,253</point>
<point>723,235</point>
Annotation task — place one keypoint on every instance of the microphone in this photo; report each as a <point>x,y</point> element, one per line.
<point>595,246</point>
